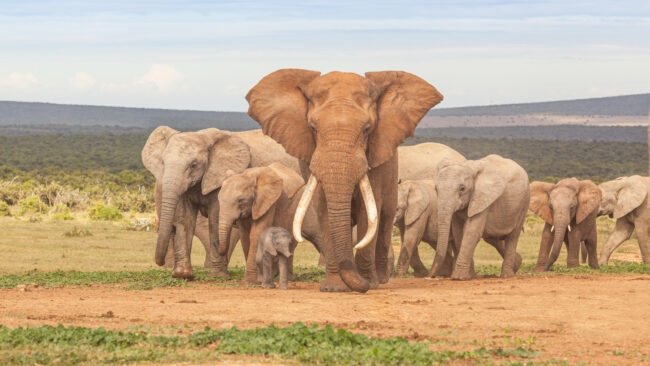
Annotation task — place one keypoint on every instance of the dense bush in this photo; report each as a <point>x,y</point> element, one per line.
<point>100,211</point>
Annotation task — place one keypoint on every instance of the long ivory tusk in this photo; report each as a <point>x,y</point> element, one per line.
<point>371,211</point>
<point>569,227</point>
<point>303,205</point>
<point>552,228</point>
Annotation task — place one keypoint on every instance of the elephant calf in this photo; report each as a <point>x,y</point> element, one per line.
<point>416,218</point>
<point>272,257</point>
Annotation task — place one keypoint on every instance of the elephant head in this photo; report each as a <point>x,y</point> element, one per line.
<point>251,195</point>
<point>181,161</point>
<point>465,188</point>
<point>569,201</point>
<point>343,125</point>
<point>412,201</point>
<point>621,196</point>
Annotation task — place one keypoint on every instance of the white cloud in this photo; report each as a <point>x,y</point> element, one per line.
<point>20,81</point>
<point>161,77</point>
<point>82,81</point>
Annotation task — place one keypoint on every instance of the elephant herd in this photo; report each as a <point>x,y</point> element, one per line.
<point>328,163</point>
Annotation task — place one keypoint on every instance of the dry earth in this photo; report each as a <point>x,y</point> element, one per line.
<point>588,319</point>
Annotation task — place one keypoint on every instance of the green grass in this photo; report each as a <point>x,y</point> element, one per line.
<point>298,342</point>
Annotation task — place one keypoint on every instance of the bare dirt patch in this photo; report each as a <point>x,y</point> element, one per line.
<point>590,319</point>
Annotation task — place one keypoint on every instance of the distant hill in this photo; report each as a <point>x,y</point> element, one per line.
<point>36,116</point>
<point>624,105</point>
<point>27,118</point>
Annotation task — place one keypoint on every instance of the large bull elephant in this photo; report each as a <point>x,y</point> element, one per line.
<point>189,168</point>
<point>485,198</point>
<point>345,129</point>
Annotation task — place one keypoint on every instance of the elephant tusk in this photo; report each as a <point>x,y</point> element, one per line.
<point>569,227</point>
<point>303,205</point>
<point>552,228</point>
<point>371,210</point>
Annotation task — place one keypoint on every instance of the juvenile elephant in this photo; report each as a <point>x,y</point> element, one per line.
<point>272,257</point>
<point>345,129</point>
<point>421,161</point>
<point>258,198</point>
<point>189,168</point>
<point>569,209</point>
<point>416,218</point>
<point>626,200</point>
<point>485,198</point>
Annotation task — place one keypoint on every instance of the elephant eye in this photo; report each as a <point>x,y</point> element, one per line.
<point>461,188</point>
<point>312,127</point>
<point>194,164</point>
<point>366,128</point>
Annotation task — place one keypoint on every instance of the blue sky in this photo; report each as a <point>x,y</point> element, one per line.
<point>206,55</point>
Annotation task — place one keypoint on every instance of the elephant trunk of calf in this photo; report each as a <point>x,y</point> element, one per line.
<point>225,227</point>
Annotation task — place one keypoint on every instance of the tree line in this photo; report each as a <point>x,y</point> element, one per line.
<point>74,172</point>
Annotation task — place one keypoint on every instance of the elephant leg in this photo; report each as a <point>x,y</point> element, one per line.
<point>643,237</point>
<point>573,249</point>
<point>511,265</point>
<point>365,258</point>
<point>471,236</point>
<point>283,266</point>
<point>622,232</point>
<point>408,253</point>
<point>591,244</point>
<point>292,249</point>
<point>544,248</point>
<point>186,220</point>
<point>267,271</point>
<point>419,270</point>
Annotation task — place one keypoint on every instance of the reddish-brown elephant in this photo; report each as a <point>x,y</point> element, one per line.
<point>345,129</point>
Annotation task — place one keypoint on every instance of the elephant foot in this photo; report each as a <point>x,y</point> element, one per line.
<point>268,285</point>
<point>539,268</point>
<point>333,283</point>
<point>518,261</point>
<point>595,266</point>
<point>399,272</point>
<point>284,286</point>
<point>184,273</point>
<point>420,274</point>
<point>382,278</point>
<point>220,273</point>
<point>461,276</point>
<point>507,273</point>
<point>251,278</point>
<point>291,277</point>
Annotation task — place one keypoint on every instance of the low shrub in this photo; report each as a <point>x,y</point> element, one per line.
<point>100,211</point>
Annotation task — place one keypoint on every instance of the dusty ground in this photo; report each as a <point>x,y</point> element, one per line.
<point>590,319</point>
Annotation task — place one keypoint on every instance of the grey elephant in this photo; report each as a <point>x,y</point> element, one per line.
<point>415,163</point>
<point>258,198</point>
<point>485,198</point>
<point>272,256</point>
<point>569,209</point>
<point>626,200</point>
<point>345,129</point>
<point>416,218</point>
<point>189,168</point>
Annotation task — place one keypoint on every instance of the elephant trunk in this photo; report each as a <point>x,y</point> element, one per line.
<point>225,227</point>
<point>558,239</point>
<point>341,234</point>
<point>444,230</point>
<point>169,201</point>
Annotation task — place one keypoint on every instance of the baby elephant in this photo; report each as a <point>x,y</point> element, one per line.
<point>272,256</point>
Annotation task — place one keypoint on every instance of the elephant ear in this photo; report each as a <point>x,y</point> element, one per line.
<point>268,189</point>
<point>228,152</point>
<point>588,199</point>
<point>488,186</point>
<point>539,200</point>
<point>418,200</point>
<point>153,149</point>
<point>403,99</point>
<point>291,180</point>
<point>278,104</point>
<point>631,195</point>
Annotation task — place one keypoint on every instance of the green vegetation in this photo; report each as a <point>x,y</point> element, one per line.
<point>298,342</point>
<point>553,160</point>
